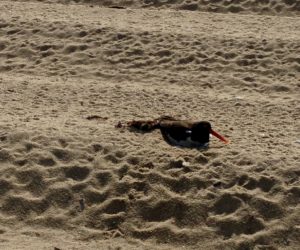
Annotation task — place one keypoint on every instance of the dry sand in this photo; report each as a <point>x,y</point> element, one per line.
<point>67,182</point>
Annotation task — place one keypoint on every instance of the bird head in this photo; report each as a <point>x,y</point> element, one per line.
<point>202,130</point>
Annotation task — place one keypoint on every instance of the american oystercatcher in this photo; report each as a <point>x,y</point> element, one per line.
<point>176,132</point>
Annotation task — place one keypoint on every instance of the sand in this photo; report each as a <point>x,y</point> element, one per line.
<point>68,182</point>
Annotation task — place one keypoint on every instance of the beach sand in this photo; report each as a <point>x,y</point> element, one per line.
<point>68,182</point>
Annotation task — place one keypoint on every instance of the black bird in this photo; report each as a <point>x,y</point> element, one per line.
<point>176,132</point>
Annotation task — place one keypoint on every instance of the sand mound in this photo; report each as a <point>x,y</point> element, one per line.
<point>60,183</point>
<point>68,172</point>
<point>71,182</point>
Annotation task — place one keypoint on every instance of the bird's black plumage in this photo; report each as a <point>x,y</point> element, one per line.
<point>176,132</point>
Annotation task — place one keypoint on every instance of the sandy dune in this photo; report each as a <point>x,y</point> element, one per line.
<point>67,182</point>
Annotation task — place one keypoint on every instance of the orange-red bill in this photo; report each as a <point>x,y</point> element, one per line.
<point>222,138</point>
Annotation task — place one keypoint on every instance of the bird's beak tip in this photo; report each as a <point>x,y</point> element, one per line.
<point>222,138</point>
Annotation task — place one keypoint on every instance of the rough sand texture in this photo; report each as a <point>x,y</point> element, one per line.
<point>73,183</point>
<point>270,7</point>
